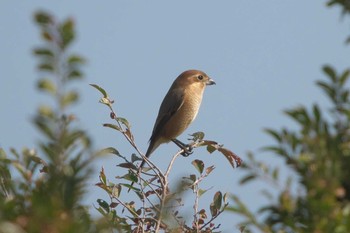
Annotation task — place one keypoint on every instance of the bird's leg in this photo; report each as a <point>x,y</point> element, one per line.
<point>186,147</point>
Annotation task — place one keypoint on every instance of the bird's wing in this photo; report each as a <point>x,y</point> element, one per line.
<point>172,102</point>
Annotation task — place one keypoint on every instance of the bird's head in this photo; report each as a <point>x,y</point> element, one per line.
<point>194,78</point>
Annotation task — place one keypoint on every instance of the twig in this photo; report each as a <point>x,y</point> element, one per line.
<point>195,206</point>
<point>155,169</point>
<point>194,145</point>
<point>146,197</point>
<point>125,206</point>
<point>171,163</point>
<point>165,188</point>
<point>214,217</point>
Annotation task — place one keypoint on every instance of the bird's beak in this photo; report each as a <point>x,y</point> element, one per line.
<point>210,82</point>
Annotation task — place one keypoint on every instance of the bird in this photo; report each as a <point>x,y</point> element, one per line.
<point>178,110</point>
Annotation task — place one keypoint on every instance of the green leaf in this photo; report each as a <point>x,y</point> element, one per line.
<point>47,85</point>
<point>197,136</point>
<point>331,3</point>
<point>109,150</point>
<point>43,52</point>
<point>46,111</point>
<point>213,210</point>
<point>106,101</point>
<point>67,32</point>
<point>300,115</point>
<point>103,178</point>
<point>75,59</point>
<point>317,115</point>
<point>46,67</point>
<point>347,41</point>
<point>5,174</point>
<point>129,134</point>
<point>215,206</point>
<point>71,138</point>
<point>134,158</point>
<point>211,148</point>
<point>20,168</point>
<point>46,36</point>
<point>267,194</point>
<point>201,192</point>
<point>276,149</point>
<point>345,96</point>
<point>36,159</point>
<point>44,127</point>
<point>199,165</point>
<point>274,134</point>
<point>127,165</point>
<point>112,126</point>
<point>102,211</point>
<point>326,88</point>
<point>100,89</point>
<point>131,176</point>
<point>193,177</point>
<point>208,170</point>
<point>202,214</point>
<point>330,72</point>
<point>247,178</point>
<point>43,18</point>
<point>275,173</point>
<point>128,186</point>
<point>69,98</point>
<point>116,190</point>
<point>218,200</point>
<point>344,77</point>
<point>14,152</point>
<point>103,204</point>
<point>124,122</point>
<point>225,197</point>
<point>2,154</point>
<point>75,74</point>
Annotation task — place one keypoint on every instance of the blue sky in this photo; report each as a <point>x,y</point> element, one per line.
<point>264,56</point>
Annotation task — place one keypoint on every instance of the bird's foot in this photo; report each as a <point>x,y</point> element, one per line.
<point>187,150</point>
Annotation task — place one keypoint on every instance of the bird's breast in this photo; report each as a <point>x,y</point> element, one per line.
<point>184,115</point>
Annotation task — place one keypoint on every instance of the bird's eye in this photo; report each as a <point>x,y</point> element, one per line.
<point>200,77</point>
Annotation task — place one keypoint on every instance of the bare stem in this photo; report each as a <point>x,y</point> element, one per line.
<point>132,143</point>
<point>214,217</point>
<point>172,163</point>
<point>195,206</point>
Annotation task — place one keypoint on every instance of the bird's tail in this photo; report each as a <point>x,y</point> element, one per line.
<point>147,155</point>
<point>152,147</point>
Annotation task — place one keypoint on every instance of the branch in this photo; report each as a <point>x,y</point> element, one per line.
<point>214,217</point>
